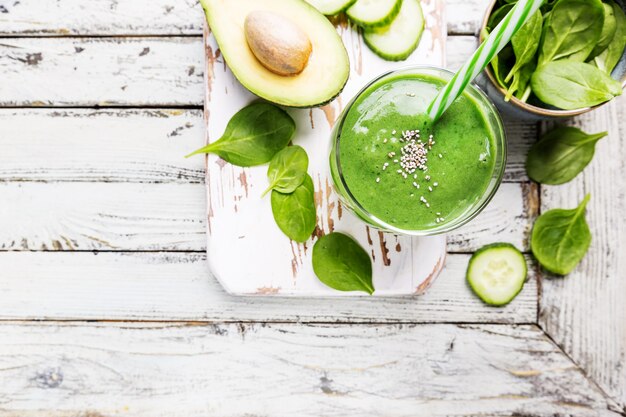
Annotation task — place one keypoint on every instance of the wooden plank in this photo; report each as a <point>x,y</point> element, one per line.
<point>101,71</point>
<point>137,71</point>
<point>170,216</point>
<point>101,145</point>
<point>178,286</point>
<point>585,311</point>
<point>154,370</point>
<point>465,16</point>
<point>459,48</point>
<point>520,137</point>
<point>100,17</point>
<point>136,145</point>
<point>152,17</point>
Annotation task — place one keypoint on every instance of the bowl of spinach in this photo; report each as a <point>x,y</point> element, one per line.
<point>567,59</point>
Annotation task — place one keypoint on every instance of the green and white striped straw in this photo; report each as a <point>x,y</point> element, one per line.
<point>497,40</point>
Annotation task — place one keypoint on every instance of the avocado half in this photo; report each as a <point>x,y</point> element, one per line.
<point>328,66</point>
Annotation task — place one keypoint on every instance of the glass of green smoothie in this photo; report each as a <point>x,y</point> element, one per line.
<point>399,171</point>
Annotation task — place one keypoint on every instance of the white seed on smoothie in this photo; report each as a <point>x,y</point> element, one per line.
<point>430,188</point>
<point>427,177</point>
<point>378,179</point>
<point>440,156</point>
<point>436,184</point>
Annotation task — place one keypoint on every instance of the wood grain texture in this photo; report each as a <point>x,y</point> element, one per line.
<point>169,216</point>
<point>178,286</point>
<point>465,16</point>
<point>154,370</point>
<point>132,71</point>
<point>100,17</point>
<point>152,17</point>
<point>103,71</point>
<point>139,145</point>
<point>64,145</point>
<point>585,311</point>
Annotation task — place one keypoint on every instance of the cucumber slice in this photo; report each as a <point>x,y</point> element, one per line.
<point>373,13</point>
<point>496,273</point>
<point>398,40</point>
<point>331,7</point>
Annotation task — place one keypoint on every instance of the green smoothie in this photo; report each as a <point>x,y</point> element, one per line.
<point>406,170</point>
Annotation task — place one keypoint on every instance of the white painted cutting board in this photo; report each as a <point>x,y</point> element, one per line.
<point>247,252</point>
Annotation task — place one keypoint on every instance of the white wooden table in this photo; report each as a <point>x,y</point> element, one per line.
<point>106,304</point>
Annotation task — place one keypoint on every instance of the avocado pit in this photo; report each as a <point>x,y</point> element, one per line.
<point>277,43</point>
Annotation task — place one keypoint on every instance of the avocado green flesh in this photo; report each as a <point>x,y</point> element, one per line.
<point>322,79</point>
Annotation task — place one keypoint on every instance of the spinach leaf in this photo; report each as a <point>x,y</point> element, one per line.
<point>547,6</point>
<point>572,30</point>
<point>294,213</point>
<point>561,154</point>
<point>560,238</point>
<point>520,86</point>
<point>608,59</point>
<point>572,85</point>
<point>253,135</point>
<point>608,31</point>
<point>497,16</point>
<point>500,67</point>
<point>514,87</point>
<point>525,43</point>
<point>341,263</point>
<point>523,81</point>
<point>287,169</point>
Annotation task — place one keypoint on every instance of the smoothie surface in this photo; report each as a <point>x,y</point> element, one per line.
<point>460,163</point>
